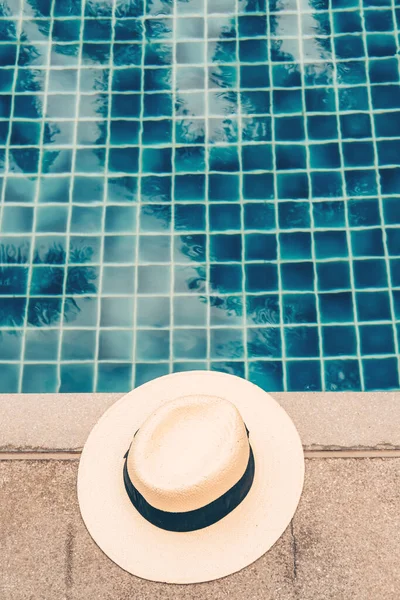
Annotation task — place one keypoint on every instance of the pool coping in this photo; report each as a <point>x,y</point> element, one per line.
<point>334,421</point>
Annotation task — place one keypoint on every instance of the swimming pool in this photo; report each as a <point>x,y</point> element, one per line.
<point>190,185</point>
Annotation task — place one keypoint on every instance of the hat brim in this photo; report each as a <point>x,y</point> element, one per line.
<point>229,545</point>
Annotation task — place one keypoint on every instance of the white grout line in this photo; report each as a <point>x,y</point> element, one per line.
<point>36,199</point>
<point>310,194</point>
<point>346,216</point>
<point>70,202</point>
<point>105,199</point>
<point>208,287</point>
<point>378,186</point>
<point>138,204</point>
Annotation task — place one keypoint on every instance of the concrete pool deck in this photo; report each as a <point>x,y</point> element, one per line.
<point>343,542</point>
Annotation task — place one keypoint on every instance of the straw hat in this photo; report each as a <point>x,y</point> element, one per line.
<point>190,477</point>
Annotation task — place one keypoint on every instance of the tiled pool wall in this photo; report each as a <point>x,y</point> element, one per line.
<point>199,185</point>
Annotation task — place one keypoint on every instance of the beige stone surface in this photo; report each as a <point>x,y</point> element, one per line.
<point>325,420</point>
<point>343,543</point>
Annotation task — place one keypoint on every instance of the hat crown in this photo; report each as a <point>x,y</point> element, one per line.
<point>188,453</point>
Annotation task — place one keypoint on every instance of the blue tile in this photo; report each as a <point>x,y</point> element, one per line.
<point>157,132</point>
<point>333,276</point>
<point>287,101</point>
<point>393,242</point>
<point>191,217</point>
<point>126,55</point>
<point>226,343</point>
<point>325,156</point>
<point>126,80</point>
<point>381,45</point>
<point>387,124</point>
<point>373,306</point>
<point>155,189</point>
<point>320,100</point>
<point>76,377</point>
<point>39,378</point>
<point>331,244</point>
<point>118,281</point>
<point>190,187</point>
<point>294,215</point>
<point>376,339</point>
<point>190,344</point>
<point>114,377</point>
<point>78,344</point>
<point>289,129</point>
<point>263,309</point>
<point>339,340</point>
<point>267,374</point>
<point>353,98</point>
<point>299,308</point>
<point>347,22</point>
<point>380,374</point>
<point>342,375</point>
<point>120,219</point>
<point>224,217</point>
<point>10,345</point>
<point>119,249</point>
<point>80,311</point>
<point>361,182</point>
<point>261,277</point>
<point>384,71</point>
<point>254,76</point>
<point>367,242</point>
<point>82,280</point>
<point>322,127</point>
<point>154,249</point>
<point>17,219</point>
<point>152,279</point>
<point>49,250</point>
<point>395,272</point>
<point>363,213</point>
<point>152,344</point>
<point>286,75</point>
<point>370,274</point>
<point>189,311</point>
<point>260,216</point>
<point>290,157</point>
<point>295,246</point>
<point>153,312</point>
<point>189,159</point>
<point>304,375</point>
<point>292,186</point>
<point>388,152</point>
<point>154,217</point>
<point>260,246</point>
<point>188,248</point>
<point>391,210</point>
<point>85,219</point>
<point>145,372</point>
<point>124,160</point>
<point>349,46</point>
<point>117,344</point>
<point>13,280</point>
<point>225,247</point>
<point>329,214</point>
<point>301,342</point>
<point>390,180</point>
<point>226,278</point>
<point>355,125</point>
<point>227,310</point>
<point>117,312</point>
<point>42,312</point>
<point>336,307</point>
<point>264,342</point>
<point>258,186</point>
<point>232,367</point>
<point>256,157</point>
<point>297,276</point>
<point>192,279</point>
<point>9,378</point>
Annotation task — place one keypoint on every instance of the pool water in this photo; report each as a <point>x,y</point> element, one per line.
<point>199,185</point>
